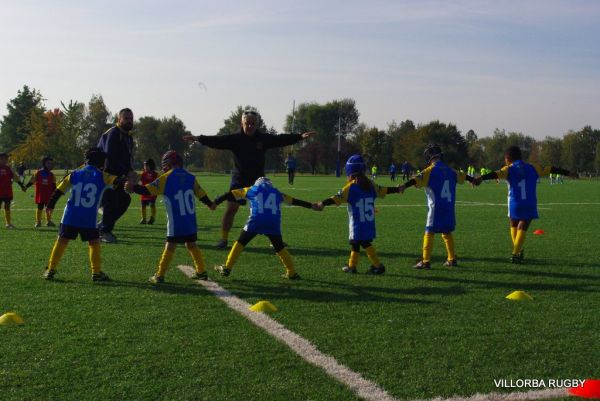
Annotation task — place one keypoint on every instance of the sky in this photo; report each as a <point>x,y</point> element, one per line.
<point>524,66</point>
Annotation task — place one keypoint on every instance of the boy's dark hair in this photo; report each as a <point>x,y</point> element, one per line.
<point>151,164</point>
<point>95,157</point>
<point>513,153</point>
<point>45,159</point>
<point>125,110</point>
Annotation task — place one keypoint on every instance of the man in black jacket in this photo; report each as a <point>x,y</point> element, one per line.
<point>248,146</point>
<point>117,143</point>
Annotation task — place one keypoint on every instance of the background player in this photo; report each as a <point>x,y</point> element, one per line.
<point>265,218</point>
<point>45,184</point>
<point>360,194</point>
<point>79,218</point>
<point>439,182</point>
<point>148,175</point>
<point>522,181</point>
<point>178,188</point>
<point>7,178</point>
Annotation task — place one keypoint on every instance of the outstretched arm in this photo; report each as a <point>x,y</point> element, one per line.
<point>212,141</point>
<point>296,202</point>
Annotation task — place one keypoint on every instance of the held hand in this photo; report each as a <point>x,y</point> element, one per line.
<point>189,138</point>
<point>401,189</point>
<point>212,206</point>
<point>477,181</point>
<point>49,210</point>
<point>129,186</point>
<point>308,134</point>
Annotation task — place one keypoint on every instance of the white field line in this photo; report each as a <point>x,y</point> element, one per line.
<point>516,396</point>
<point>305,349</point>
<point>364,388</point>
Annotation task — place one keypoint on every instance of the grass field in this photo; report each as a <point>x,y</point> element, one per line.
<point>418,334</point>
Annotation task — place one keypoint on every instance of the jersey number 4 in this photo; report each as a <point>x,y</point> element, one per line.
<point>446,194</point>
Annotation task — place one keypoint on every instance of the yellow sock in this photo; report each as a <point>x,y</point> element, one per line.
<point>198,259</point>
<point>165,261</point>
<point>144,212</point>
<point>38,216</point>
<point>7,216</point>
<point>354,257</point>
<point>372,255</point>
<point>287,261</point>
<point>513,234</point>
<point>48,216</point>
<point>224,235</point>
<point>95,261</point>
<point>519,241</point>
<point>57,252</point>
<point>153,211</point>
<point>427,246</point>
<point>449,241</point>
<point>234,254</point>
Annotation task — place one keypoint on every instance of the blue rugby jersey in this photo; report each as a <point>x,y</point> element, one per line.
<point>179,190</point>
<point>439,182</point>
<point>361,209</point>
<point>522,185</point>
<point>87,185</point>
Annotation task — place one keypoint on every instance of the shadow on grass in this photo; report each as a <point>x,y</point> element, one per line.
<point>510,284</point>
<point>318,252</point>
<point>167,287</point>
<point>352,293</point>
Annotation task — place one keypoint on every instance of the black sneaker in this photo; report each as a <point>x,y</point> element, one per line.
<point>348,269</point>
<point>100,277</point>
<point>143,221</point>
<point>49,274</point>
<point>108,237</point>
<point>522,255</point>
<point>200,276</point>
<point>516,259</point>
<point>451,263</point>
<point>50,224</point>
<point>422,265</point>
<point>376,270</point>
<point>151,220</point>
<point>222,270</point>
<point>221,245</point>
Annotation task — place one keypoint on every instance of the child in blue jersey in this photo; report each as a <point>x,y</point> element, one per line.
<point>439,182</point>
<point>265,218</point>
<point>79,218</point>
<point>178,188</point>
<point>360,194</point>
<point>522,181</point>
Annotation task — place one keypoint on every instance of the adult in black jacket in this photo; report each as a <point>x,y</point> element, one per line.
<point>117,143</point>
<point>248,146</point>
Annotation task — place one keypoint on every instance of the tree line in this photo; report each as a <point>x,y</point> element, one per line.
<point>29,130</point>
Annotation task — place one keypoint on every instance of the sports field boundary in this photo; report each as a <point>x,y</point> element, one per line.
<point>364,388</point>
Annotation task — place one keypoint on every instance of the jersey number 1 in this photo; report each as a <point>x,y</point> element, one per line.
<point>186,202</point>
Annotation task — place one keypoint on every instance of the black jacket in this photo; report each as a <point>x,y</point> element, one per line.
<point>118,146</point>
<point>248,151</point>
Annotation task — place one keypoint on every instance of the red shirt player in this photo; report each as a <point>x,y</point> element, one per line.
<point>6,192</point>
<point>45,184</point>
<point>148,175</point>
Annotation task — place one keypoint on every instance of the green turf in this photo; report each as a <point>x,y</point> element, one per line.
<point>418,334</point>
